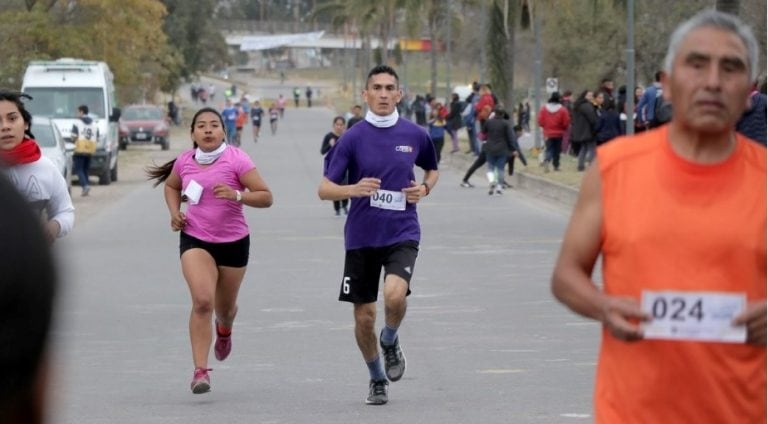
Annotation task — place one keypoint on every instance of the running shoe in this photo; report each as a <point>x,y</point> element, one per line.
<point>201,383</point>
<point>394,360</point>
<point>377,392</point>
<point>223,345</point>
<point>466,184</point>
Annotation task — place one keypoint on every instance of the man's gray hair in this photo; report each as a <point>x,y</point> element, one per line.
<point>714,19</point>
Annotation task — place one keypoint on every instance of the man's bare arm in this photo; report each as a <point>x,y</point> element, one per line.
<point>572,278</point>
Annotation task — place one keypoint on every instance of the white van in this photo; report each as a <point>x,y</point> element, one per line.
<point>58,87</point>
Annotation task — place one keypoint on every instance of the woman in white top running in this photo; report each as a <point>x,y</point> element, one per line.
<point>34,175</point>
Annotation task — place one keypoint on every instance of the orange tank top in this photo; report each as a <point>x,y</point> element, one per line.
<point>670,224</point>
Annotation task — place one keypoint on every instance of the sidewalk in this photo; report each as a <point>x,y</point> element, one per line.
<point>560,187</point>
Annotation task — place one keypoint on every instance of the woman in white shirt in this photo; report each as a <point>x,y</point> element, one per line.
<point>34,175</point>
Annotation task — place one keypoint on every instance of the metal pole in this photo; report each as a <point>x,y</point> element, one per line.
<point>448,53</point>
<point>537,79</point>
<point>355,64</point>
<point>630,108</point>
<point>483,41</point>
<point>405,68</point>
<point>345,58</point>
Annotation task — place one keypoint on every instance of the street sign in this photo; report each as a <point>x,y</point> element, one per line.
<point>552,85</point>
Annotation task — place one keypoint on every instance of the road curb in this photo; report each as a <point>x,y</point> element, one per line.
<point>535,185</point>
<point>550,190</point>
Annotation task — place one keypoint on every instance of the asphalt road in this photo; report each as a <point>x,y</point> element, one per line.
<point>485,340</point>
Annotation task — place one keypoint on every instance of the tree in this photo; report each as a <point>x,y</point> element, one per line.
<point>429,14</point>
<point>504,17</point>
<point>193,39</point>
<point>362,15</point>
<point>35,39</point>
<point>127,34</point>
<point>583,44</point>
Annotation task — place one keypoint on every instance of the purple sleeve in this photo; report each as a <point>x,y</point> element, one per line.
<point>337,160</point>
<point>427,159</point>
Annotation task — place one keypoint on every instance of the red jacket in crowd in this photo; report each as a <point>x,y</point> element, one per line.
<point>554,120</point>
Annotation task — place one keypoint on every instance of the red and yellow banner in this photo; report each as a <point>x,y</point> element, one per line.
<point>419,45</point>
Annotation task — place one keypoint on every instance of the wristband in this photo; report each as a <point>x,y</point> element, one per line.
<point>426,186</point>
<point>238,196</point>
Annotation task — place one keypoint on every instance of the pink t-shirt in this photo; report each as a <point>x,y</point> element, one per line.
<point>211,219</point>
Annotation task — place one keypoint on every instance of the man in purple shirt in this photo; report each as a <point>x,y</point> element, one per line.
<point>382,228</point>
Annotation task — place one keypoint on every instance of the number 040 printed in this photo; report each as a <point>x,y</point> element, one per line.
<point>693,316</point>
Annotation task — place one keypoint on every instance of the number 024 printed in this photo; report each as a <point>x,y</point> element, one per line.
<point>693,316</point>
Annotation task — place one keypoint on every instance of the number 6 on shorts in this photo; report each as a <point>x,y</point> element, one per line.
<point>345,285</point>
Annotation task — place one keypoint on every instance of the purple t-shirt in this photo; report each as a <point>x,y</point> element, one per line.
<point>388,154</point>
<point>211,219</point>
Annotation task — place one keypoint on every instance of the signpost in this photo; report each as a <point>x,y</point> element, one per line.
<point>552,85</point>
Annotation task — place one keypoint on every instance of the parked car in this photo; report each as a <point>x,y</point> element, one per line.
<point>143,124</point>
<point>53,146</point>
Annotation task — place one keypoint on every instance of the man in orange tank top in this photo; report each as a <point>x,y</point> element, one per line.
<point>678,215</point>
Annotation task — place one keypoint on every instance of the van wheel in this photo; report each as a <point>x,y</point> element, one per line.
<point>113,173</point>
<point>105,178</point>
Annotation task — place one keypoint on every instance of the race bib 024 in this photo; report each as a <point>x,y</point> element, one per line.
<point>693,316</point>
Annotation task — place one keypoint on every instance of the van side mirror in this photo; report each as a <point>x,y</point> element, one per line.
<point>115,116</point>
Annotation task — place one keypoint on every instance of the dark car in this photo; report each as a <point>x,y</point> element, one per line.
<point>144,124</point>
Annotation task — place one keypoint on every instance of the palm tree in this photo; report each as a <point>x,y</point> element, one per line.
<point>368,18</point>
<point>434,14</point>
<point>504,17</point>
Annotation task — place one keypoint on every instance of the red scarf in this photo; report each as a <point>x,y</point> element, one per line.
<point>25,152</point>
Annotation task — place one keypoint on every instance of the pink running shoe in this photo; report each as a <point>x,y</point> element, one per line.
<point>201,383</point>
<point>223,346</point>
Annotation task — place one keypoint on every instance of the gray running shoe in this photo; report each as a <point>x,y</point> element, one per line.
<point>201,382</point>
<point>377,392</point>
<point>394,360</point>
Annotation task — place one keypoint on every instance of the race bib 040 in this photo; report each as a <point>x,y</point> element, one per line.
<point>386,199</point>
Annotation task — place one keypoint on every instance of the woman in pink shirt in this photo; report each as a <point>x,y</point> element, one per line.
<point>214,180</point>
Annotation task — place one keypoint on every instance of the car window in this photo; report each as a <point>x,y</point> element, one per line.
<point>143,114</point>
<point>44,135</point>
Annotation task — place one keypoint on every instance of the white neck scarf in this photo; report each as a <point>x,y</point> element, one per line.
<point>207,158</point>
<point>382,121</point>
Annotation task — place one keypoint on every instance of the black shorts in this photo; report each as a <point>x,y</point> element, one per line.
<point>256,124</point>
<point>362,270</point>
<point>233,254</point>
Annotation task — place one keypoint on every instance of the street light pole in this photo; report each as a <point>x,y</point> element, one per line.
<point>483,41</point>
<point>629,110</point>
<point>448,58</point>
<point>537,77</point>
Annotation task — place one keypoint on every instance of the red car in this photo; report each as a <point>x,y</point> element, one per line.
<point>144,124</point>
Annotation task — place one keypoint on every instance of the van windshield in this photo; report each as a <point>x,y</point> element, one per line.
<point>62,102</point>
